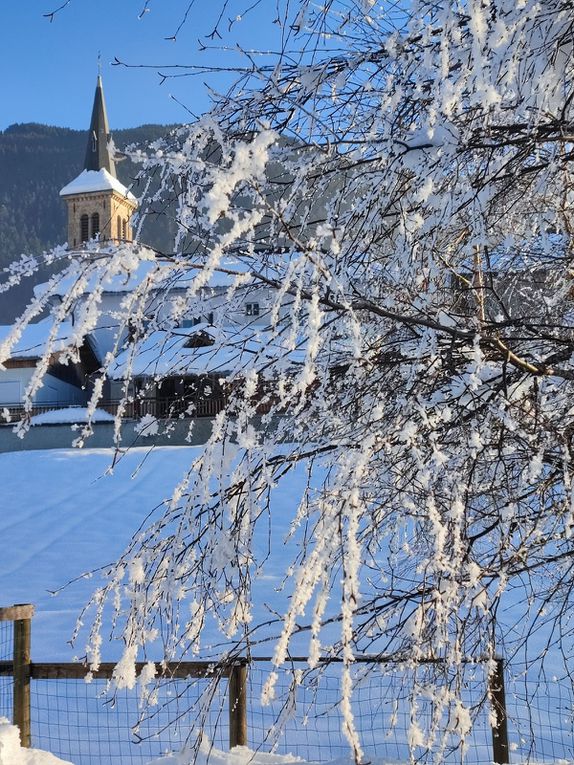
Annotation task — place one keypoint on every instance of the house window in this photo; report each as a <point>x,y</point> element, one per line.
<point>166,388</point>
<point>208,319</point>
<point>84,228</point>
<point>124,229</point>
<point>252,309</point>
<point>119,226</point>
<point>95,224</point>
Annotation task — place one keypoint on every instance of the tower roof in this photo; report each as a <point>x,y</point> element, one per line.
<point>98,151</point>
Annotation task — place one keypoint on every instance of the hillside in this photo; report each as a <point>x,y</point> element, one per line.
<point>36,161</point>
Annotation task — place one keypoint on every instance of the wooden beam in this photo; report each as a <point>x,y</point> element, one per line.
<point>21,709</point>
<point>237,700</point>
<point>500,748</point>
<point>73,671</point>
<point>13,613</point>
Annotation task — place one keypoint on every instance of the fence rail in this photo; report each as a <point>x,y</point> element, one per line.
<point>75,671</point>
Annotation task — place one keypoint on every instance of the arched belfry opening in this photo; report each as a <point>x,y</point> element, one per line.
<point>99,205</point>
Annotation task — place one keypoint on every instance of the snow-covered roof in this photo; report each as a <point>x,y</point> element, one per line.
<point>96,180</point>
<point>234,349</point>
<point>171,276</point>
<point>32,343</point>
<point>71,414</point>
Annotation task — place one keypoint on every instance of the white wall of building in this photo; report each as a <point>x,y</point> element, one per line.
<point>13,382</point>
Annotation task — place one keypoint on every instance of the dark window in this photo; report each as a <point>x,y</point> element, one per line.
<point>252,309</point>
<point>124,229</point>
<point>84,228</point>
<point>199,340</point>
<point>207,319</point>
<point>166,388</point>
<point>119,224</point>
<point>95,224</point>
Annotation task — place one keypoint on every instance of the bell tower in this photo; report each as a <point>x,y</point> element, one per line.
<point>99,205</point>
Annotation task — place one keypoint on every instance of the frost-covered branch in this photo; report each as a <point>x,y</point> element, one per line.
<point>393,190</point>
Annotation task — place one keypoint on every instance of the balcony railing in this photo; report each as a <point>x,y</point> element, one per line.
<point>160,408</point>
<point>130,410</point>
<point>164,408</point>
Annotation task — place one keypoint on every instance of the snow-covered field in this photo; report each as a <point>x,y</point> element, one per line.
<point>64,513</point>
<point>61,516</point>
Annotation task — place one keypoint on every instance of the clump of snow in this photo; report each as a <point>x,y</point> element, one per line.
<point>239,755</point>
<point>12,753</point>
<point>242,755</point>
<point>147,426</point>
<point>70,414</point>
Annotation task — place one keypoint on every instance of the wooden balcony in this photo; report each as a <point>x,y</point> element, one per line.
<point>131,410</point>
<point>160,408</point>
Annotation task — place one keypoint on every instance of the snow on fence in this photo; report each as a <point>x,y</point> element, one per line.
<point>58,711</point>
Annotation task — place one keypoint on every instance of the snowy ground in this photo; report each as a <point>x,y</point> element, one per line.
<point>11,753</point>
<point>62,515</point>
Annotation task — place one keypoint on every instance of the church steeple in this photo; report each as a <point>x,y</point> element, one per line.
<point>98,150</point>
<point>99,205</point>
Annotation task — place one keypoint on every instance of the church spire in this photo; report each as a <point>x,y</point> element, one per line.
<point>98,153</point>
<point>99,205</point>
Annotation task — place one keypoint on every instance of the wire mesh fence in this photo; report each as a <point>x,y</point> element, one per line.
<point>305,717</point>
<point>394,707</point>
<point>540,711</point>
<point>80,722</point>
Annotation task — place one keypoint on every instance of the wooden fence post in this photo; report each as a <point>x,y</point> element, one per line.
<point>21,668</point>
<point>498,700</point>
<point>237,692</point>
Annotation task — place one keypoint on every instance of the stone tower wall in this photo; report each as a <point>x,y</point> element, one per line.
<point>114,210</point>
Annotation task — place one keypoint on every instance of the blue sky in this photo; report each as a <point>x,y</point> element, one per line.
<point>48,70</point>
